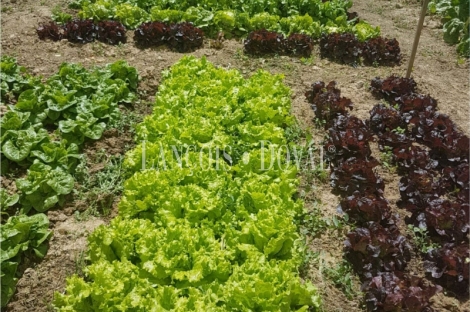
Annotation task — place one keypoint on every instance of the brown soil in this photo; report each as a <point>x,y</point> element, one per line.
<point>437,70</point>
<point>64,258</point>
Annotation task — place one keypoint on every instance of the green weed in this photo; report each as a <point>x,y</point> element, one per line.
<point>386,158</point>
<point>307,60</point>
<point>421,239</point>
<point>342,277</point>
<point>99,189</point>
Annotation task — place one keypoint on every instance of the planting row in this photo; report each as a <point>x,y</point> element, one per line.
<point>42,131</point>
<point>185,37</point>
<point>377,250</point>
<point>276,7</point>
<point>347,48</point>
<point>344,47</point>
<point>262,42</point>
<point>432,156</point>
<point>182,37</point>
<point>201,227</point>
<point>76,105</point>
<point>83,31</point>
<point>232,18</point>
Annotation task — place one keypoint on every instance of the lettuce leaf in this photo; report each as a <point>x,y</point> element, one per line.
<point>18,235</point>
<point>197,232</point>
<point>44,187</point>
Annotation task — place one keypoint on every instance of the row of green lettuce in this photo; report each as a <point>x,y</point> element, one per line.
<point>282,8</point>
<point>199,229</point>
<point>455,17</point>
<point>234,18</point>
<point>42,131</point>
<point>46,124</point>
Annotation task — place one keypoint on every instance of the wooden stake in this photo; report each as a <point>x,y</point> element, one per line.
<point>417,35</point>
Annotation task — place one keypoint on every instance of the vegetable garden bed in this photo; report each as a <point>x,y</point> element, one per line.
<point>97,189</point>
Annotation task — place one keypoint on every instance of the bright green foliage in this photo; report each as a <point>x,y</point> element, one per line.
<point>79,103</point>
<point>174,16</point>
<point>265,21</point>
<point>180,254</point>
<point>58,154</point>
<point>7,200</point>
<point>193,232</point>
<point>274,7</point>
<point>365,31</point>
<point>59,16</point>
<point>311,17</point>
<point>301,25</point>
<point>161,196</point>
<point>19,136</point>
<point>44,187</point>
<point>455,17</point>
<point>83,126</point>
<point>13,78</point>
<point>225,21</point>
<point>97,10</point>
<point>121,286</point>
<point>225,110</point>
<point>130,16</point>
<point>18,235</point>
<point>76,92</point>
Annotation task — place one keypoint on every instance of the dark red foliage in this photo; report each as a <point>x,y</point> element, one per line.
<point>182,37</point>
<point>384,119</point>
<point>393,139</point>
<point>462,195</point>
<point>327,101</point>
<point>401,91</point>
<point>110,32</point>
<point>80,31</point>
<point>419,184</point>
<point>261,42</point>
<point>450,266</point>
<point>151,34</point>
<point>264,42</point>
<point>83,31</point>
<point>456,181</point>
<point>350,137</point>
<point>448,219</point>
<point>356,174</point>
<point>185,37</point>
<point>438,132</point>
<point>389,125</point>
<point>455,177</point>
<point>346,48</point>
<point>342,47</point>
<point>317,88</point>
<point>392,87</point>
<point>365,207</point>
<point>394,291</point>
<point>412,157</point>
<point>50,31</point>
<point>298,45</point>
<point>381,51</point>
<point>374,248</point>
<point>414,103</point>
